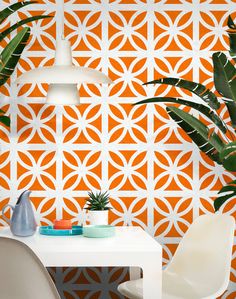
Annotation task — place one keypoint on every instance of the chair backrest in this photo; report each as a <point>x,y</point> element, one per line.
<point>203,257</point>
<point>22,275</point>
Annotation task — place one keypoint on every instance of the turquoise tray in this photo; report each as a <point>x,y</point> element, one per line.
<point>98,231</point>
<point>50,231</point>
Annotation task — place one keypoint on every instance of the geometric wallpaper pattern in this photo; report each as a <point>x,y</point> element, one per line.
<point>156,176</point>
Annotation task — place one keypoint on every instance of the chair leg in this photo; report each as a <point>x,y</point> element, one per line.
<point>152,281</point>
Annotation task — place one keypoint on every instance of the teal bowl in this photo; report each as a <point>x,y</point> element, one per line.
<point>50,231</point>
<point>98,231</point>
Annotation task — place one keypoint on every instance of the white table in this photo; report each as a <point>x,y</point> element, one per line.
<point>131,246</point>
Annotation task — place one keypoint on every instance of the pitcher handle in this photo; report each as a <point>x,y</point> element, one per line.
<point>3,212</point>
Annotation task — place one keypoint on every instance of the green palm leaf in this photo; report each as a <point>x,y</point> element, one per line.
<point>230,23</point>
<point>5,120</point>
<point>13,8</point>
<point>228,156</point>
<point>20,23</point>
<point>224,76</point>
<point>199,107</point>
<point>211,145</point>
<point>11,54</point>
<point>200,90</point>
<point>225,82</point>
<point>231,106</point>
<point>227,192</point>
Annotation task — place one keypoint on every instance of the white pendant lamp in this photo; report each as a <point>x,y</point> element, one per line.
<point>63,76</point>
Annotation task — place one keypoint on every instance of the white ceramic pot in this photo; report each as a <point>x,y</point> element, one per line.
<point>98,217</point>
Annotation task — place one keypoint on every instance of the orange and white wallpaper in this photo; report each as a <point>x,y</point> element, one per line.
<point>156,176</point>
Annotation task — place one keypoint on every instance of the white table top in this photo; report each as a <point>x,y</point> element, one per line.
<point>131,246</point>
<point>127,239</point>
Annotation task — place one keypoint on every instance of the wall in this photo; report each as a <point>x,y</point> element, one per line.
<point>156,177</point>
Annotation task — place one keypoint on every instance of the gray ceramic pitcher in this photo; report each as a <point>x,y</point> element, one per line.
<point>22,222</point>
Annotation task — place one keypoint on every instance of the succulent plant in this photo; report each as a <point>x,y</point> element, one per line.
<point>98,201</point>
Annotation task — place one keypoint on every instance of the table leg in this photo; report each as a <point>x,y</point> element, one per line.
<point>134,273</point>
<point>152,280</point>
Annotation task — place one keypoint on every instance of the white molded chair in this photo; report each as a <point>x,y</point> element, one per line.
<point>22,275</point>
<point>200,268</point>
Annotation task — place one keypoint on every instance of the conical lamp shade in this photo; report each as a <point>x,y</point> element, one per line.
<point>63,77</point>
<point>63,94</point>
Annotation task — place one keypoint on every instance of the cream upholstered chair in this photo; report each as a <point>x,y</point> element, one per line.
<point>22,275</point>
<point>200,267</point>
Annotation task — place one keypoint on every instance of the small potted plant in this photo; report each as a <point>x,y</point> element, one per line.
<point>98,207</point>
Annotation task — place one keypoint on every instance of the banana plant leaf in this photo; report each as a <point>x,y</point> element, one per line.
<point>224,76</point>
<point>232,38</point>
<point>225,82</point>
<point>200,90</point>
<point>230,23</point>
<point>226,192</point>
<point>232,44</point>
<point>199,107</point>
<point>5,120</point>
<point>11,54</point>
<point>210,144</point>
<point>231,106</point>
<point>20,23</point>
<point>13,8</point>
<point>228,156</point>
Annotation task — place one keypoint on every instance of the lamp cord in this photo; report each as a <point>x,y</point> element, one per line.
<point>63,20</point>
<point>60,19</point>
